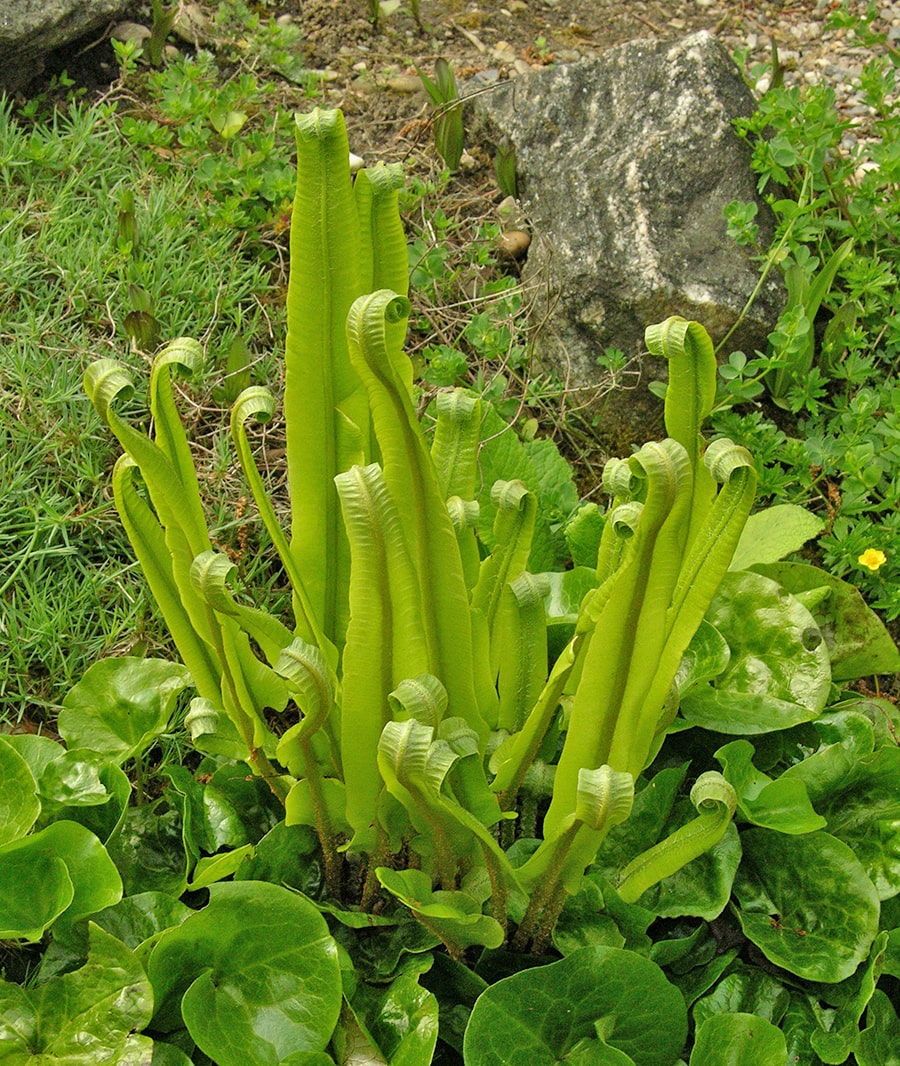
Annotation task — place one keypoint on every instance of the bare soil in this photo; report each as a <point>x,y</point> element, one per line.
<point>374,73</point>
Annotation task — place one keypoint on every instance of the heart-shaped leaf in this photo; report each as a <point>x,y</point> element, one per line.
<point>779,674</point>
<point>599,1000</point>
<point>81,1018</point>
<point>736,1040</point>
<point>858,643</point>
<point>19,805</point>
<point>254,976</point>
<point>806,902</point>
<point>67,871</point>
<point>783,804</point>
<point>121,705</point>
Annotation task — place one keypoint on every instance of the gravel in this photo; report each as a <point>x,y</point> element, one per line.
<point>813,53</point>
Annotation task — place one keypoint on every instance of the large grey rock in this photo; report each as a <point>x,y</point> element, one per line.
<point>30,29</point>
<point>624,163</point>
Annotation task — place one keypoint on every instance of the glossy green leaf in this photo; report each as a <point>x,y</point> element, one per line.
<point>254,975</point>
<point>882,713</point>
<point>215,868</point>
<point>879,1042</point>
<point>779,673</point>
<point>402,1019</point>
<point>863,810</point>
<point>165,1054</point>
<point>705,658</point>
<point>149,848</point>
<point>738,1040</point>
<point>584,923</point>
<point>94,881</point>
<point>603,999</point>
<point>835,1044</point>
<point>286,855</point>
<point>82,1018</point>
<point>744,991</point>
<point>38,751</point>
<point>73,780</point>
<point>35,890</point>
<point>455,917</point>
<point>773,533</point>
<point>81,786</point>
<point>802,1018</point>
<point>134,920</point>
<point>858,643</point>
<point>704,976</point>
<point>19,804</point>
<point>782,804</point>
<point>846,737</point>
<point>121,705</point>
<point>806,902</point>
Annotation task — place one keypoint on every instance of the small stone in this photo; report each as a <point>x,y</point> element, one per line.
<point>513,244</point>
<point>405,83</point>
<point>503,52</point>
<point>521,67</point>
<point>130,31</point>
<point>192,25</point>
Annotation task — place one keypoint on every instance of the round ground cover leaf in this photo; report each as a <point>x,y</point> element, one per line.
<point>19,805</point>
<point>35,889</point>
<point>779,673</point>
<point>596,999</point>
<point>858,642</point>
<point>879,1042</point>
<point>807,903</point>
<point>254,976</point>
<point>134,920</point>
<point>864,812</point>
<point>744,991</point>
<point>149,848</point>
<point>401,1019</point>
<point>121,705</point>
<point>83,1018</point>
<point>93,878</point>
<point>738,1040</point>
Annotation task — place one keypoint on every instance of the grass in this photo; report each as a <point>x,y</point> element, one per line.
<point>69,590</point>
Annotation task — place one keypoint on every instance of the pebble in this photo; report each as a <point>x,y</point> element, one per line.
<point>405,83</point>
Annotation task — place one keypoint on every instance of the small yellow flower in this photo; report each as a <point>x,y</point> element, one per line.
<point>872,558</point>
